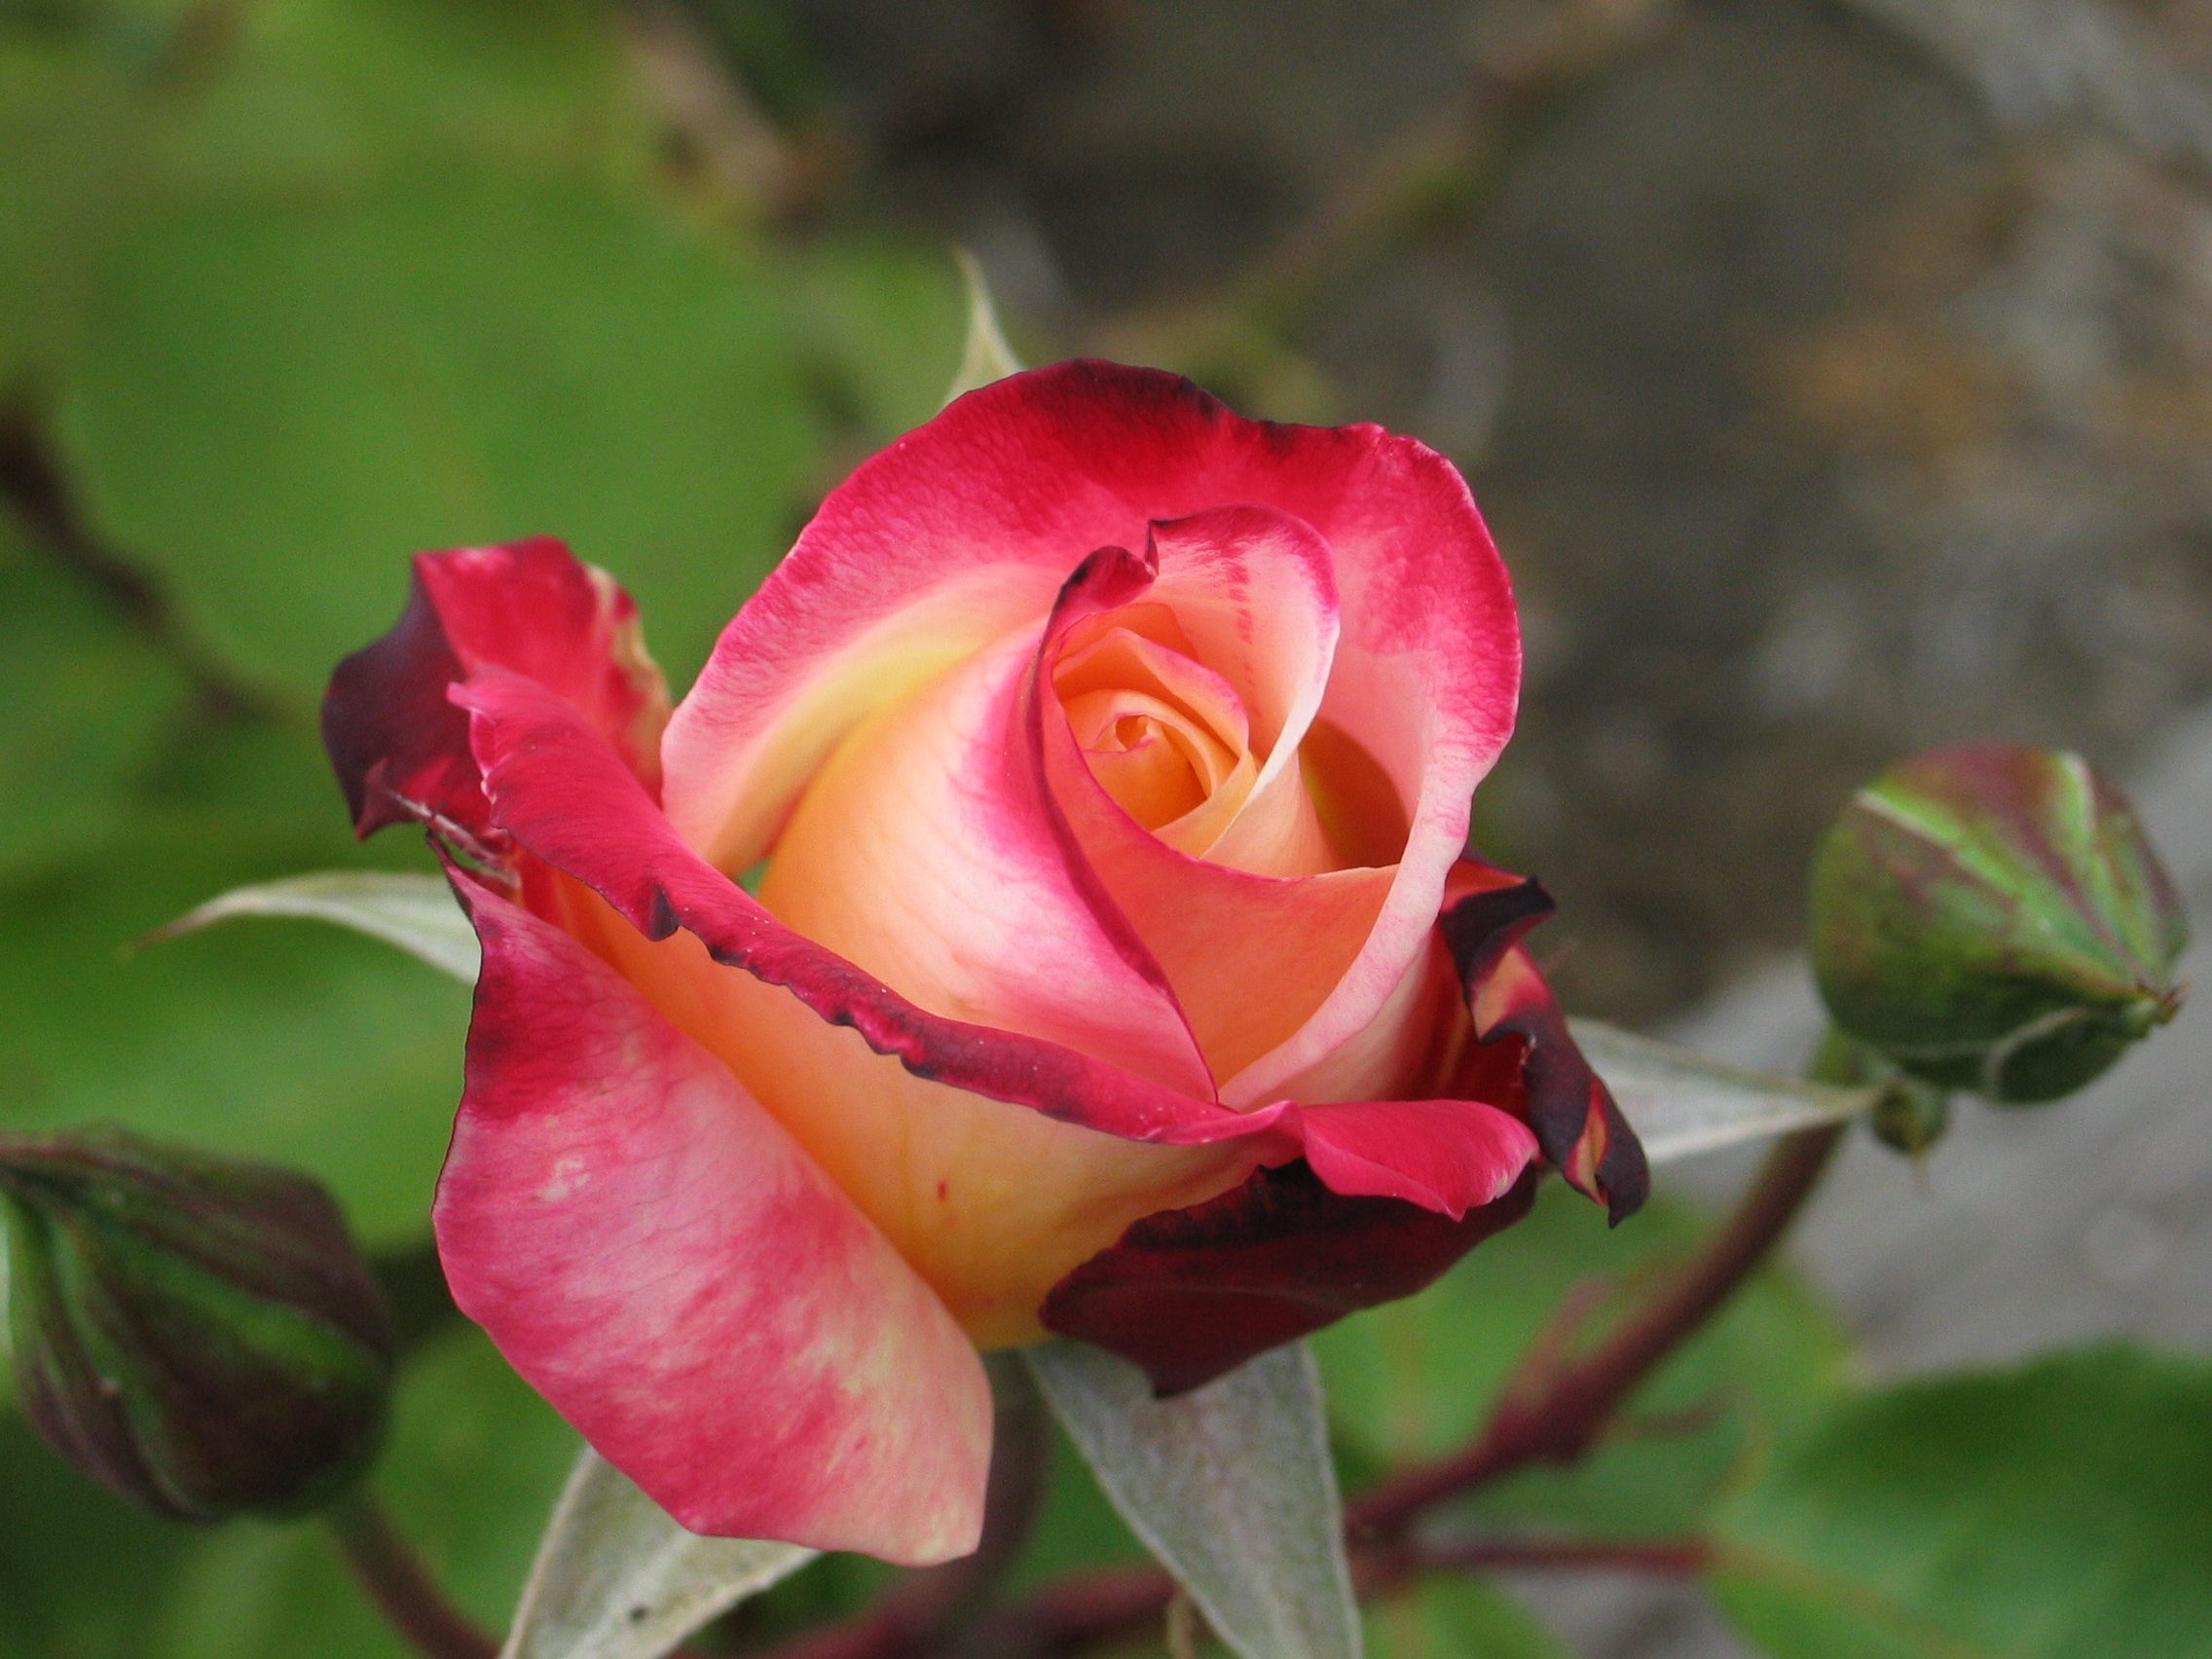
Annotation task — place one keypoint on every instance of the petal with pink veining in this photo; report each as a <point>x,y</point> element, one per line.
<point>660,1260</point>
<point>923,854</point>
<point>1252,955</point>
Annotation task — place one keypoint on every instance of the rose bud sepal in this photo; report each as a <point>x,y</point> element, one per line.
<point>1909,1115</point>
<point>1992,917</point>
<point>197,1333</point>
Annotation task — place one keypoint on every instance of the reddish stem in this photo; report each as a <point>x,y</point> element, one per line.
<point>1565,1413</point>
<point>394,1580</point>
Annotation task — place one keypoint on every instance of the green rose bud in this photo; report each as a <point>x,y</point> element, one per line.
<point>197,1333</point>
<point>1991,918</point>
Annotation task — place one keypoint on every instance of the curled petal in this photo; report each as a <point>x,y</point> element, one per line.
<point>399,746</point>
<point>1252,956</point>
<point>1574,1114</point>
<point>1447,1156</point>
<point>965,530</point>
<point>564,796</point>
<point>660,1260</point>
<point>1191,1293</point>
<point>923,854</point>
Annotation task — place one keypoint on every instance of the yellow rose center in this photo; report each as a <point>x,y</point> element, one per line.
<point>1166,736</point>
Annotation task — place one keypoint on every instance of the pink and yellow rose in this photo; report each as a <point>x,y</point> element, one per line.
<point>1113,968</point>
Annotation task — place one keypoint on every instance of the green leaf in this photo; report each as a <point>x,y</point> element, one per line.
<point>615,1578</point>
<point>326,1053</point>
<point>887,320</point>
<point>1231,1486</point>
<point>274,405</point>
<point>315,94</point>
<point>68,113</point>
<point>1415,1379</point>
<point>2054,1511</point>
<point>1682,1103</point>
<point>85,705</point>
<point>414,913</point>
<point>112,110</point>
<point>1457,1618</point>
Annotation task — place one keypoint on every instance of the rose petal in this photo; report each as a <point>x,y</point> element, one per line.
<point>964,530</point>
<point>1574,1114</point>
<point>660,1260</point>
<point>563,794</point>
<point>1191,1293</point>
<point>1448,1156</point>
<point>399,746</point>
<point>1251,957</point>
<point>922,854</point>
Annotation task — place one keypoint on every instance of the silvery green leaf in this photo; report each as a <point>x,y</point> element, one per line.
<point>415,912</point>
<point>1231,1486</point>
<point>1681,1103</point>
<point>986,356</point>
<point>617,1578</point>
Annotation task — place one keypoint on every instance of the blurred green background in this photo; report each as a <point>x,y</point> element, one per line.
<point>1825,402</point>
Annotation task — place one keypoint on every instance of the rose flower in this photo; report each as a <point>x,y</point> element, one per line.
<point>1048,914</point>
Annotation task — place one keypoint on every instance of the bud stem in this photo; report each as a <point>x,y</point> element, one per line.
<point>394,1578</point>
<point>1565,1408</point>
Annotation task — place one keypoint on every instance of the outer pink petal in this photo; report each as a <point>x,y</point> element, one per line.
<point>964,529</point>
<point>1447,1156</point>
<point>399,746</point>
<point>660,1260</point>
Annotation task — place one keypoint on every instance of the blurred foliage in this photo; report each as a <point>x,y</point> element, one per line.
<point>1415,1379</point>
<point>289,291</point>
<point>2056,1511</point>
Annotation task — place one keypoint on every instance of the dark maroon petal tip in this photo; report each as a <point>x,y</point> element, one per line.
<point>1577,1122</point>
<point>399,746</point>
<point>1192,1294</point>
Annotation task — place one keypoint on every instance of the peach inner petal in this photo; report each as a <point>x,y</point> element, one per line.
<point>1166,736</point>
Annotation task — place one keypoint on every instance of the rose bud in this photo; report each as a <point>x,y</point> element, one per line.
<point>1992,918</point>
<point>1116,968</point>
<point>197,1334</point>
